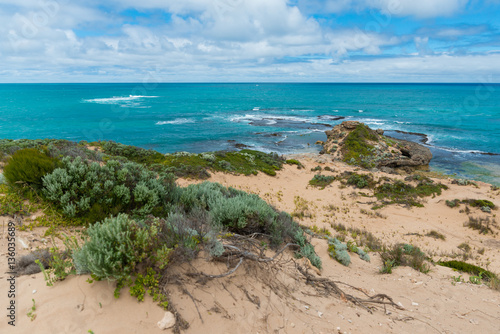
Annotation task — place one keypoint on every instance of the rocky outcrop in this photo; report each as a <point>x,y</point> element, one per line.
<point>357,144</point>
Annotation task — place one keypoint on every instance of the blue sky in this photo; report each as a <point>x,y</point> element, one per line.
<point>250,40</point>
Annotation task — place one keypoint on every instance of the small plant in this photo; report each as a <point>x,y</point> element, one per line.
<point>302,209</point>
<point>436,235</point>
<point>405,255</point>
<point>337,250</point>
<point>295,162</point>
<point>453,203</point>
<point>483,225</point>
<point>316,169</point>
<point>31,314</point>
<point>475,279</point>
<point>321,181</point>
<point>458,279</point>
<point>361,180</point>
<point>387,267</point>
<point>464,247</point>
<point>321,232</point>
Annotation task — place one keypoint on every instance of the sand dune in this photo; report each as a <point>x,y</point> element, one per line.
<point>274,298</point>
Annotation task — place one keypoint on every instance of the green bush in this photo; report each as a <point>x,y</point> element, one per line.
<point>479,203</point>
<point>243,213</point>
<point>321,181</point>
<point>132,153</point>
<point>468,268</point>
<point>403,193</point>
<point>3,180</point>
<point>113,249</point>
<point>94,191</point>
<point>404,255</point>
<point>360,181</point>
<point>28,166</point>
<point>338,251</point>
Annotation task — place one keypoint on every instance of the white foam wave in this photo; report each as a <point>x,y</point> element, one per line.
<point>256,117</point>
<point>176,121</point>
<point>117,99</point>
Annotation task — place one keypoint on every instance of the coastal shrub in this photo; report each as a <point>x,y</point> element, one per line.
<point>321,181</point>
<point>361,180</point>
<point>363,255</point>
<point>28,166</point>
<point>308,252</point>
<point>132,153</point>
<point>468,268</point>
<point>114,247</point>
<point>402,193</point>
<point>3,180</point>
<point>463,182</point>
<point>338,251</point>
<point>229,208</point>
<point>246,162</point>
<point>479,203</point>
<point>404,255</point>
<point>239,212</point>
<point>95,191</point>
<point>295,162</point>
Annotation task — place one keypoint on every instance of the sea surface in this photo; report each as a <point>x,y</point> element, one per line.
<point>459,122</point>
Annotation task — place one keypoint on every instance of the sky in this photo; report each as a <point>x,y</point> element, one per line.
<point>249,41</point>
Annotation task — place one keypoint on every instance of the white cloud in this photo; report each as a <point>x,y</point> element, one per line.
<point>234,40</point>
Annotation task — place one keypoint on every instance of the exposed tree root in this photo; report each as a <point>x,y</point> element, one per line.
<point>329,287</point>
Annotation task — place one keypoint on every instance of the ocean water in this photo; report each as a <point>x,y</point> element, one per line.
<point>459,122</point>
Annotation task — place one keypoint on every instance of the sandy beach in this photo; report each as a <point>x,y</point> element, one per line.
<point>272,297</point>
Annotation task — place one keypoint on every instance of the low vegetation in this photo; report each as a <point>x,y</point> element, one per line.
<point>483,225</point>
<point>404,255</point>
<point>357,149</point>
<point>321,181</point>
<point>468,268</point>
<point>139,221</point>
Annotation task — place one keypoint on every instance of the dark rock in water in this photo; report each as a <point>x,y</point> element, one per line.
<point>237,145</point>
<point>355,143</point>
<point>331,118</point>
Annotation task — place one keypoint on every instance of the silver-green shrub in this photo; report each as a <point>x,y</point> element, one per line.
<point>112,249</point>
<point>240,212</point>
<point>338,251</point>
<point>80,187</point>
<point>363,256</point>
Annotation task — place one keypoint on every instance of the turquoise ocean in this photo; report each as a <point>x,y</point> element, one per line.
<point>460,123</point>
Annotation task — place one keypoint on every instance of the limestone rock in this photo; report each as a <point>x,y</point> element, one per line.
<point>385,153</point>
<point>167,321</point>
